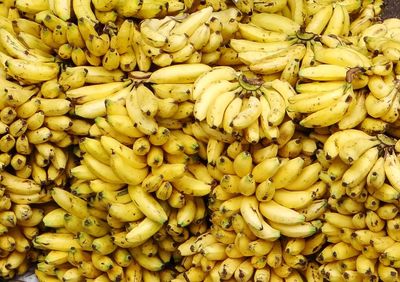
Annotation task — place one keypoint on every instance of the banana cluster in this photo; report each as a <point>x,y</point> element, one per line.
<point>303,11</point>
<point>19,224</point>
<point>363,200</point>
<point>97,11</point>
<point>192,38</point>
<point>35,132</point>
<point>227,104</point>
<point>276,47</point>
<point>260,196</point>
<point>136,192</point>
<point>108,237</point>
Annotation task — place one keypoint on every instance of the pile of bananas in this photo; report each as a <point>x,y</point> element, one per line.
<point>193,39</point>
<point>199,141</point>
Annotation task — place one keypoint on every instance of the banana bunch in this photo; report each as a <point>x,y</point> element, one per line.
<point>101,11</point>
<point>258,197</point>
<point>357,254</point>
<point>239,104</point>
<point>99,231</point>
<point>373,160</point>
<point>361,234</point>
<point>382,38</point>
<point>160,207</point>
<point>191,38</point>
<point>19,224</point>
<point>271,45</point>
<point>323,104</point>
<point>206,259</point>
<point>28,64</point>
<point>81,42</point>
<point>82,247</point>
<point>274,45</point>
<point>35,132</point>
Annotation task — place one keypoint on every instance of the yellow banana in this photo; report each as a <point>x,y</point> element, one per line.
<point>147,204</point>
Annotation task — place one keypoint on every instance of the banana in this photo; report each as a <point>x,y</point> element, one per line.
<point>363,166</point>
<point>319,20</point>
<point>250,213</point>
<point>391,166</point>
<point>102,171</point>
<point>266,169</point>
<point>183,73</point>
<point>314,101</point>
<point>332,144</point>
<point>125,171</point>
<point>175,43</point>
<point>324,72</point>
<point>82,9</point>
<point>128,10</point>
<point>287,172</point>
<point>123,124</point>
<point>391,115</point>
<point>192,22</point>
<point>281,214</point>
<point>341,56</point>
<point>124,37</point>
<point>32,71</point>
<point>297,11</point>
<point>331,114</point>
<point>152,36</point>
<point>387,273</point>
<point>57,242</point>
<point>382,105</point>
<point>275,22</point>
<point>146,100</point>
<point>17,50</point>
<point>7,24</point>
<point>208,96</point>
<point>178,92</point>
<point>293,199</point>
<point>255,33</point>
<point>32,7</point>
<point>62,9</point>
<point>270,6</point>
<point>308,177</point>
<point>277,105</point>
<point>315,210</point>
<point>204,81</point>
<point>336,23</point>
<point>301,230</point>
<point>191,186</point>
<point>147,204</point>
<point>18,185</point>
<point>143,231</point>
<point>112,145</point>
<point>149,263</point>
<point>98,107</point>
<point>363,21</point>
<point>251,110</point>
<point>214,42</point>
<point>200,37</point>
<point>245,6</point>
<point>144,123</point>
<point>350,153</point>
<point>242,45</point>
<point>186,214</point>
<point>355,114</point>
<point>72,204</point>
<point>216,111</point>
